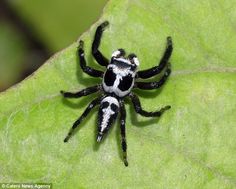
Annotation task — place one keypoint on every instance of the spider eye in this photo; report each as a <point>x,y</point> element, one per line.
<point>133,59</point>
<point>118,53</point>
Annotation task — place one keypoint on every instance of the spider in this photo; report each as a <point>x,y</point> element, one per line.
<point>117,83</point>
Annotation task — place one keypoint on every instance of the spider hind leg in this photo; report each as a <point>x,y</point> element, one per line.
<point>137,106</point>
<point>81,118</point>
<point>123,133</point>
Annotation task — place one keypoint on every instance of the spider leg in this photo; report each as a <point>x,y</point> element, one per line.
<point>122,129</point>
<point>137,106</point>
<point>101,59</point>
<point>90,71</point>
<point>78,121</point>
<point>163,62</point>
<point>83,92</point>
<point>155,84</point>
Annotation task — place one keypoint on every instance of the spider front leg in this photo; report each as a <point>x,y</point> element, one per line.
<point>83,92</point>
<point>90,71</point>
<point>101,59</point>
<point>78,121</point>
<point>122,129</point>
<point>163,62</point>
<point>137,106</point>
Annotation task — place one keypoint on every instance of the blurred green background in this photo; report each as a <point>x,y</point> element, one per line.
<point>33,30</point>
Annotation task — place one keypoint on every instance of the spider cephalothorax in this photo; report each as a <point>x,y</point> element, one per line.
<point>120,74</point>
<point>117,82</point>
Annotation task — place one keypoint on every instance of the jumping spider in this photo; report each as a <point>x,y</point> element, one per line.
<point>117,83</point>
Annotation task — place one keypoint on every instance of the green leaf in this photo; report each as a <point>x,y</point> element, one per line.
<point>191,146</point>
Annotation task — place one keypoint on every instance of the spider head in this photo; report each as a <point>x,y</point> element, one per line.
<point>118,58</point>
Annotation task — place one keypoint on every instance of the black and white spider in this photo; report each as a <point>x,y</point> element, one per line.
<point>117,83</point>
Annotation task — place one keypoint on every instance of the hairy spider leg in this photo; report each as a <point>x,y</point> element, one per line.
<point>122,129</point>
<point>78,121</point>
<point>83,92</point>
<point>137,106</point>
<point>144,74</point>
<point>155,84</point>
<point>99,57</point>
<point>90,71</point>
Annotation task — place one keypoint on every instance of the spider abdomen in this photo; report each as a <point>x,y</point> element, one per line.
<point>108,111</point>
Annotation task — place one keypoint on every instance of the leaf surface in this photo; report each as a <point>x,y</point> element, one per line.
<point>191,146</point>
